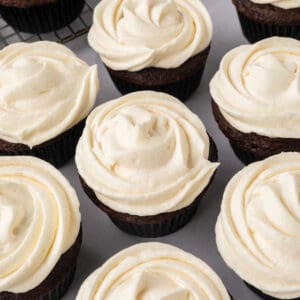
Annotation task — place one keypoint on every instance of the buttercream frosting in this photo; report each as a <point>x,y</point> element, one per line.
<point>45,89</point>
<point>133,35</point>
<point>39,221</point>
<point>285,4</point>
<point>145,153</point>
<point>153,271</point>
<point>258,229</point>
<point>257,88</point>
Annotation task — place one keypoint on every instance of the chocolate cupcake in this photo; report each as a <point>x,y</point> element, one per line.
<point>156,271</point>
<point>144,160</point>
<point>261,19</point>
<point>40,233</point>
<point>256,99</point>
<point>40,16</point>
<point>46,93</point>
<point>257,231</point>
<point>153,45</point>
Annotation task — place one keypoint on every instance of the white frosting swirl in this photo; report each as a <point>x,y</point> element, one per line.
<point>39,221</point>
<point>258,229</point>
<point>153,271</point>
<point>257,88</point>
<point>285,4</point>
<point>45,89</point>
<point>133,34</point>
<point>145,153</point>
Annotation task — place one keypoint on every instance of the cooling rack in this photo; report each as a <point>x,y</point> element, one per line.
<point>77,28</point>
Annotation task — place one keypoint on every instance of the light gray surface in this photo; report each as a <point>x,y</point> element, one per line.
<point>101,238</point>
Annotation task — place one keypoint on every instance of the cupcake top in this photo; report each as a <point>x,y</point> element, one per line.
<point>285,4</point>
<point>258,229</point>
<point>153,271</point>
<point>145,153</point>
<point>39,221</point>
<point>133,35</point>
<point>257,88</point>
<point>45,89</point>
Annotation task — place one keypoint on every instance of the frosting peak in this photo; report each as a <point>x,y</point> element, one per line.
<point>38,81</point>
<point>133,35</point>
<point>151,151</point>
<point>257,88</point>
<point>258,229</point>
<point>153,271</point>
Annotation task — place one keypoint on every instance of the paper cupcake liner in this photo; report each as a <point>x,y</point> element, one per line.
<point>157,225</point>
<point>62,288</point>
<point>181,89</point>
<point>262,295</point>
<point>162,228</point>
<point>244,156</point>
<point>255,31</point>
<point>56,151</point>
<point>42,18</point>
<point>54,294</point>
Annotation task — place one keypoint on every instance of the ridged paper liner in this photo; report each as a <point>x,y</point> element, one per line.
<point>42,18</point>
<point>57,151</point>
<point>181,89</point>
<point>255,31</point>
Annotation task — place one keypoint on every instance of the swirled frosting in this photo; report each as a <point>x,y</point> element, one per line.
<point>45,89</point>
<point>258,229</point>
<point>145,153</point>
<point>39,221</point>
<point>257,88</point>
<point>285,4</point>
<point>153,271</point>
<point>133,35</point>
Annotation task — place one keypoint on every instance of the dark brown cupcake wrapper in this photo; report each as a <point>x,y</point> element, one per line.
<point>181,89</point>
<point>245,157</point>
<point>152,226</point>
<point>255,31</point>
<point>56,151</point>
<point>42,18</point>
<point>57,282</point>
<point>180,82</point>
<point>261,294</point>
<point>251,147</point>
<point>158,229</point>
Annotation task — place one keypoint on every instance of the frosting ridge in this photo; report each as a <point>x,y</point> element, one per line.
<point>39,221</point>
<point>153,271</point>
<point>151,151</point>
<point>258,227</point>
<point>133,35</point>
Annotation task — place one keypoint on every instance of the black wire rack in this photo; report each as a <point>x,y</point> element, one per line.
<point>77,28</point>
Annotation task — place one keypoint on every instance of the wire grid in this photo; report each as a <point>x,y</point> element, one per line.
<point>77,28</point>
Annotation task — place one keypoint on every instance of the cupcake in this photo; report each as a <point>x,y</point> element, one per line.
<point>256,99</point>
<point>40,234</point>
<point>40,16</point>
<point>46,92</point>
<point>153,45</point>
<point>153,271</point>
<point>265,18</point>
<point>258,227</point>
<point>144,159</point>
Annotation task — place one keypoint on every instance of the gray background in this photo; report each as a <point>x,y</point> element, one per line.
<point>101,238</point>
